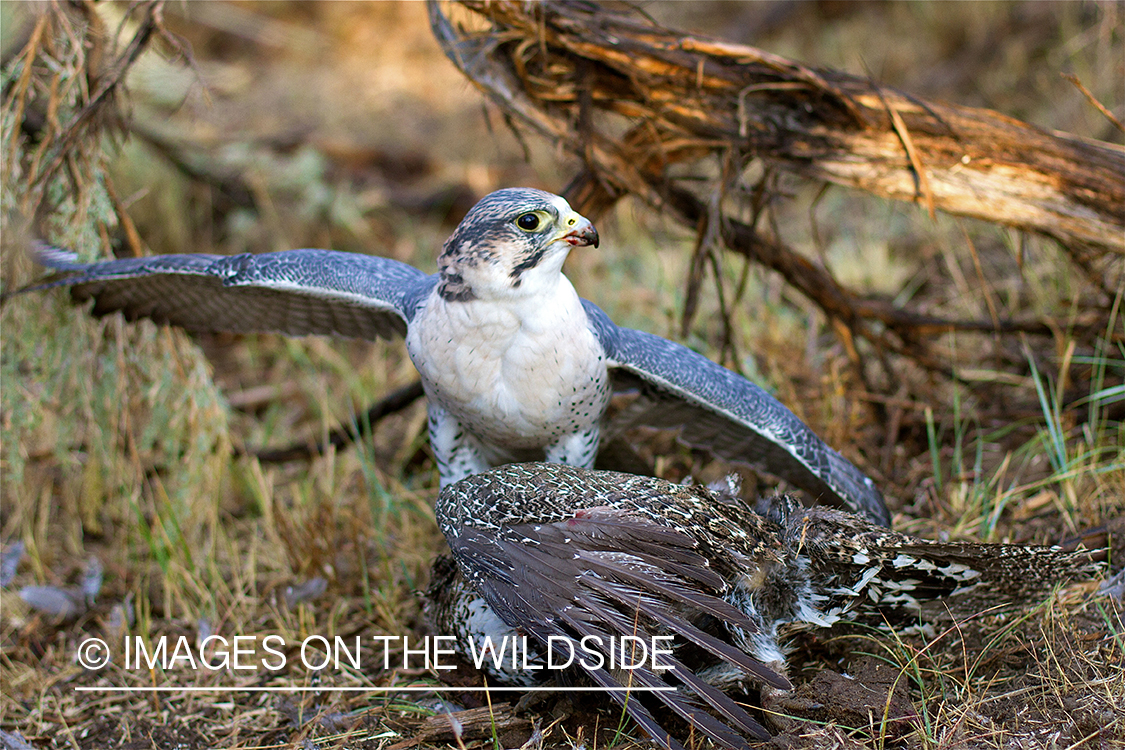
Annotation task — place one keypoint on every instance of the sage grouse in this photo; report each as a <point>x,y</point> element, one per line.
<point>514,364</point>
<point>570,559</point>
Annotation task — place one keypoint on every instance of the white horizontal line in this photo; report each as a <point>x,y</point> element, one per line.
<point>410,689</point>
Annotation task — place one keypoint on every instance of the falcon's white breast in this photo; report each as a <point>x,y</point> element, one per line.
<point>516,373</point>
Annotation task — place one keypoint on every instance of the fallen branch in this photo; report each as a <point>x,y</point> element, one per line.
<point>547,63</point>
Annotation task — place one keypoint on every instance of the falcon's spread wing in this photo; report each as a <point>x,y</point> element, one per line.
<point>720,411</point>
<point>604,573</point>
<point>295,292</point>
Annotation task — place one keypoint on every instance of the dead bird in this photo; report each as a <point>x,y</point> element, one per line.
<point>573,558</point>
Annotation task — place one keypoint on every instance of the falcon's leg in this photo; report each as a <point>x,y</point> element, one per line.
<point>457,453</point>
<point>576,449</point>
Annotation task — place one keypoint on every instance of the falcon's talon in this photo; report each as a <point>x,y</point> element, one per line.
<point>515,365</point>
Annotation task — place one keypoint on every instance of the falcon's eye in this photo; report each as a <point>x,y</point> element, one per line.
<point>528,222</point>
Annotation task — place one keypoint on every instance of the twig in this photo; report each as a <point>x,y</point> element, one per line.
<point>343,436</point>
<point>1090,97</point>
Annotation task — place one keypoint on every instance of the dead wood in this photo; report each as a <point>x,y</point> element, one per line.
<point>551,64</point>
<point>461,726</point>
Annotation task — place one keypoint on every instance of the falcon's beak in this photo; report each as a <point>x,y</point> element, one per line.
<point>580,232</point>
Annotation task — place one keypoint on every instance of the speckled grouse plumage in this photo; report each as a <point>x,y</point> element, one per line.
<point>560,551</point>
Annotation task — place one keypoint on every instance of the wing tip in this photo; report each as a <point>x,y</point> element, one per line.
<point>52,256</point>
<point>62,262</point>
<point>855,490</point>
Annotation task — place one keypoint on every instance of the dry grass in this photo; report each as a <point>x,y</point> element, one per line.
<point>319,129</point>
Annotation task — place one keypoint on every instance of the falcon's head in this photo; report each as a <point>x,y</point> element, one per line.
<point>512,243</point>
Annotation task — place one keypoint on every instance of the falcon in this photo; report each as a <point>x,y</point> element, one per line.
<point>575,558</point>
<point>514,364</point>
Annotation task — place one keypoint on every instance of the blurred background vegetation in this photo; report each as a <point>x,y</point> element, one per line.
<point>250,127</point>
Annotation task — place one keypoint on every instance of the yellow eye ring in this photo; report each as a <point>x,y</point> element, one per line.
<point>531,221</point>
